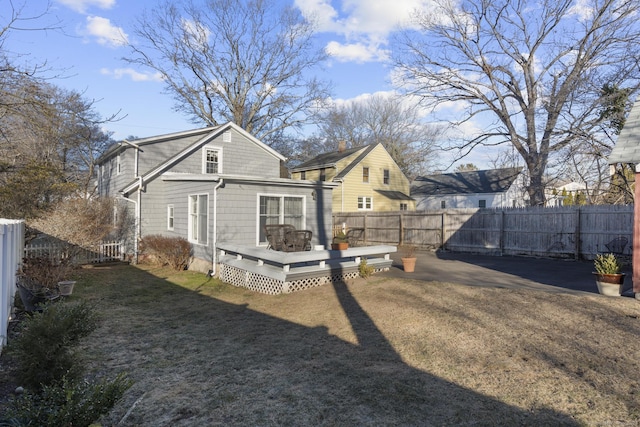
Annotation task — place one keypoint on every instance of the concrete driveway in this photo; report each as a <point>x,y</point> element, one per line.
<point>551,275</point>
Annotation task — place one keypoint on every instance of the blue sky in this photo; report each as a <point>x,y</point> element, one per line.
<point>85,54</point>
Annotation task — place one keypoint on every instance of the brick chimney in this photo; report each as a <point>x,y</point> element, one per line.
<point>342,145</point>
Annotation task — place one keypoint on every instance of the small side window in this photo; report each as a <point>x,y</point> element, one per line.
<point>169,217</point>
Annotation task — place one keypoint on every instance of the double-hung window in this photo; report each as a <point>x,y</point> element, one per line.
<point>385,178</point>
<point>280,209</point>
<point>365,174</point>
<point>198,218</point>
<point>169,217</point>
<point>365,203</point>
<point>212,160</point>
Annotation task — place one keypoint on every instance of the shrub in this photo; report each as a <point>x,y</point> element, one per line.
<point>44,346</point>
<point>364,269</point>
<point>172,251</point>
<point>606,264</point>
<point>44,272</point>
<point>67,404</point>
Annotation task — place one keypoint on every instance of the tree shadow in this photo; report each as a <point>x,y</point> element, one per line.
<point>197,359</point>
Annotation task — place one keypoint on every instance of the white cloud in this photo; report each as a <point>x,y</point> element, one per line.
<point>106,33</point>
<point>356,52</point>
<point>134,75</point>
<point>363,25</point>
<point>81,6</point>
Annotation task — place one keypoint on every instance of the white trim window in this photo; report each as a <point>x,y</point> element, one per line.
<point>212,160</point>
<point>118,164</point>
<point>365,174</point>
<point>170,212</point>
<point>365,203</point>
<point>280,209</point>
<point>386,179</point>
<point>198,218</point>
<point>404,206</point>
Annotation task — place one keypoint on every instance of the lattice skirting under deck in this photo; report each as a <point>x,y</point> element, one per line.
<point>267,285</point>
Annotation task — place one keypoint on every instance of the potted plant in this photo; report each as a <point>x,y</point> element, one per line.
<point>408,257</point>
<point>609,279</point>
<point>340,242</point>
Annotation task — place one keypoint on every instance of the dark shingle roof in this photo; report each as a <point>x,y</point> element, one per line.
<point>472,182</point>
<point>326,159</point>
<point>394,195</point>
<point>627,148</point>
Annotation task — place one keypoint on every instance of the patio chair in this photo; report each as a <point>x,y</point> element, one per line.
<point>297,240</point>
<point>275,234</point>
<point>617,245</point>
<point>355,236</point>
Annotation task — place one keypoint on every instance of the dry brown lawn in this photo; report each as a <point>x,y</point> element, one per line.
<point>369,352</point>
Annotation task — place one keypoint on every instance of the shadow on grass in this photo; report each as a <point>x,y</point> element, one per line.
<point>198,360</point>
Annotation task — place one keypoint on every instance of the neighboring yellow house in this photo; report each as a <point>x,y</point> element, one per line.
<point>370,180</point>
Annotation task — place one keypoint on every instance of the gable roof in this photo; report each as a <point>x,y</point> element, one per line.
<point>212,134</point>
<point>326,159</point>
<point>354,163</point>
<point>471,182</point>
<point>627,148</point>
<point>117,147</point>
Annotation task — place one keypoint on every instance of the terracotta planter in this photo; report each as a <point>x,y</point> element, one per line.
<point>66,287</point>
<point>610,284</point>
<point>409,264</point>
<point>340,246</point>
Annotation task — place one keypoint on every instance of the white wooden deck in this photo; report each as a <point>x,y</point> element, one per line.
<point>273,272</point>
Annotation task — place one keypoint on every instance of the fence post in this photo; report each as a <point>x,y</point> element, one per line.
<point>576,249</point>
<point>442,229</point>
<point>401,223</point>
<point>501,241</point>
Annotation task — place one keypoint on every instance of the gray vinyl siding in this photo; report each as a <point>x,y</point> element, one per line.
<point>237,215</point>
<point>158,152</point>
<point>239,157</point>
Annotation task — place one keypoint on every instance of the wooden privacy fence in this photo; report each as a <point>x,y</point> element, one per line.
<point>11,244</point>
<point>106,251</point>
<point>565,232</point>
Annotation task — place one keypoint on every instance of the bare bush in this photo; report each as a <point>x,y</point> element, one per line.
<point>172,251</point>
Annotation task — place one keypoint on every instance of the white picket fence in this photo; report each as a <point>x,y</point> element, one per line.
<point>11,248</point>
<point>104,252</point>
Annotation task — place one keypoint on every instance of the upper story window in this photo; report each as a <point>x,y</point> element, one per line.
<point>212,160</point>
<point>443,204</point>
<point>303,175</point>
<point>385,177</point>
<point>365,174</point>
<point>323,174</point>
<point>118,164</point>
<point>482,203</point>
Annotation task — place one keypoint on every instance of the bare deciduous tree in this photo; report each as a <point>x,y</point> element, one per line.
<point>532,71</point>
<point>234,60</point>
<point>393,121</point>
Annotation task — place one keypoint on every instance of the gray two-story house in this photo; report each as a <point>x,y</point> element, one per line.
<point>211,185</point>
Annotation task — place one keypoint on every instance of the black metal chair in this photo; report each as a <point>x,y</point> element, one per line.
<point>355,236</point>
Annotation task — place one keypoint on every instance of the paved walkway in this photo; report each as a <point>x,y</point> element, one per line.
<point>551,275</point>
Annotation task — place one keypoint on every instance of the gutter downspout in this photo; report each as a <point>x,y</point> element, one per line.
<point>341,181</point>
<point>138,235</point>
<point>135,240</point>
<point>138,210</point>
<point>214,240</point>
